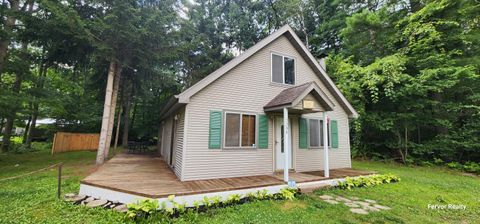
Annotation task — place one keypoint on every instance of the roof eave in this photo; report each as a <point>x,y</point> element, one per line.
<point>171,106</point>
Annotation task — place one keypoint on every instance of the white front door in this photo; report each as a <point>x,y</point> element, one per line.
<point>279,148</point>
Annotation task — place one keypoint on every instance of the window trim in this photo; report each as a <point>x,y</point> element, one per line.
<point>240,130</point>
<point>321,134</point>
<point>283,68</point>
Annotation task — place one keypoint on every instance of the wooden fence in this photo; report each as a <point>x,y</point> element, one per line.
<point>66,142</point>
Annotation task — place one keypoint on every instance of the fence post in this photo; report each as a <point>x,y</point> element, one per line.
<point>59,189</point>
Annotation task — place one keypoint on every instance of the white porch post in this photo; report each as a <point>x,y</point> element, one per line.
<point>286,143</point>
<point>326,168</point>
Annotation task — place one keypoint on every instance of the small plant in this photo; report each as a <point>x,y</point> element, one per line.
<point>142,209</point>
<point>454,165</point>
<point>197,205</point>
<point>180,207</point>
<point>250,195</point>
<point>367,181</point>
<point>426,163</point>
<point>438,161</point>
<point>262,195</point>
<point>288,193</point>
<point>216,200</point>
<point>233,199</point>
<point>207,202</point>
<point>472,167</point>
<point>176,207</point>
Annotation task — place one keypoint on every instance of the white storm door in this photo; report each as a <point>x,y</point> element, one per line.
<point>279,147</point>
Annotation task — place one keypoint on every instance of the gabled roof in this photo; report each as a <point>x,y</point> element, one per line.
<point>184,97</point>
<point>292,96</point>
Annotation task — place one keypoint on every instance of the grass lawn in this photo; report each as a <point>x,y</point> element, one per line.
<point>32,199</point>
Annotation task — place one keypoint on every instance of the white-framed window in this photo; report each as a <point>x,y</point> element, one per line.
<point>283,69</point>
<point>315,133</point>
<point>240,130</point>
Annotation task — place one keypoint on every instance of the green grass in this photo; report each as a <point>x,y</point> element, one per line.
<point>32,199</point>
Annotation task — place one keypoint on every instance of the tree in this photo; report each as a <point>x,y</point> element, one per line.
<point>408,78</point>
<point>20,71</point>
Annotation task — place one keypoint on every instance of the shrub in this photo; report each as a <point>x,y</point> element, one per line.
<point>142,209</point>
<point>197,205</point>
<point>426,163</point>
<point>216,200</point>
<point>262,195</point>
<point>438,161</point>
<point>176,207</point>
<point>288,193</point>
<point>145,208</point>
<point>471,167</point>
<point>233,199</point>
<point>454,165</point>
<point>42,146</point>
<point>367,181</point>
<point>17,140</point>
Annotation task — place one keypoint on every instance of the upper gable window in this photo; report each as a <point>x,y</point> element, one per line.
<point>283,69</point>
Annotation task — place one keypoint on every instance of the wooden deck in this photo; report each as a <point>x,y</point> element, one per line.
<point>149,176</point>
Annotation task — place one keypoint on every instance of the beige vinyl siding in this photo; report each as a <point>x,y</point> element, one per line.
<point>316,104</point>
<point>177,157</point>
<point>247,88</point>
<point>312,159</point>
<point>166,136</point>
<point>179,143</point>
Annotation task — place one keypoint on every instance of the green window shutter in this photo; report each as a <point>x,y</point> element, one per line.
<point>334,133</point>
<point>263,132</point>
<point>215,132</point>
<point>303,133</point>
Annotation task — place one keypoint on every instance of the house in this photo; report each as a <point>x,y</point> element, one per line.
<point>269,117</point>
<point>271,109</point>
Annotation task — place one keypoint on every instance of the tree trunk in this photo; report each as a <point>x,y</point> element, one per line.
<point>119,120</point>
<point>116,85</point>
<point>134,114</point>
<point>399,146</point>
<point>17,85</point>
<point>2,124</point>
<point>106,114</point>
<point>36,105</point>
<point>406,143</point>
<point>11,116</point>
<point>7,28</point>
<point>27,127</point>
<point>33,124</point>
<point>126,114</point>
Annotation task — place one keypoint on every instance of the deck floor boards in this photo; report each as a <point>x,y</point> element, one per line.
<point>149,176</point>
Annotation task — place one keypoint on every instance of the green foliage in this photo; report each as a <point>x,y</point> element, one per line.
<point>454,165</point>
<point>367,181</point>
<point>405,70</point>
<point>262,195</point>
<point>142,209</point>
<point>207,202</point>
<point>233,199</point>
<point>197,205</point>
<point>411,70</point>
<point>288,193</point>
<point>216,200</point>
<point>170,208</point>
<point>412,193</point>
<point>472,167</point>
<point>438,161</point>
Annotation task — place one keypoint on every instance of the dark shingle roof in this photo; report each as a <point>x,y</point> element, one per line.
<point>287,96</point>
